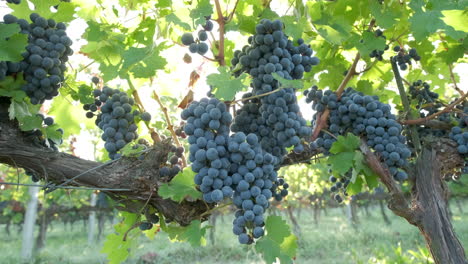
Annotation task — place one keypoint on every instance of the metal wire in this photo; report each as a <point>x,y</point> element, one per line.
<point>64,187</point>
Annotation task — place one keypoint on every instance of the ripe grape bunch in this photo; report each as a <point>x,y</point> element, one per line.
<point>362,115</point>
<point>16,2</point>
<point>378,53</point>
<point>116,118</point>
<point>428,104</point>
<point>459,134</point>
<point>198,45</point>
<point>339,185</point>
<point>403,59</point>
<point>43,63</point>
<point>172,167</point>
<point>274,118</point>
<point>233,166</point>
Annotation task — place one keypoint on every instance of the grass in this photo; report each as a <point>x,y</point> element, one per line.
<point>334,240</point>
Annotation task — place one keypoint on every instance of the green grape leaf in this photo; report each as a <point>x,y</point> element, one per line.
<point>67,9</point>
<point>116,249</point>
<point>204,8</point>
<point>278,243</point>
<point>180,187</point>
<point>345,144</point>
<point>52,134</point>
<point>341,162</point>
<point>12,43</point>
<point>225,86</point>
<point>11,87</point>
<point>370,42</point>
<point>296,84</point>
<point>174,19</point>
<point>355,186</point>
<point>456,19</point>
<point>143,62</point>
<point>193,233</point>
<point>28,123</point>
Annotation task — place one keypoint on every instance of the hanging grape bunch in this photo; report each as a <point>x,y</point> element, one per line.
<point>378,53</point>
<point>199,44</point>
<point>403,59</point>
<point>231,167</point>
<point>274,118</point>
<point>116,118</point>
<point>44,60</point>
<point>459,134</point>
<point>173,165</point>
<point>16,2</point>
<point>339,186</point>
<point>362,115</point>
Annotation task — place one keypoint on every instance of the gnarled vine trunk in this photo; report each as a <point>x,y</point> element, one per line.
<point>430,196</point>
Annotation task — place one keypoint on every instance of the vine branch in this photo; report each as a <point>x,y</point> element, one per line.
<point>170,127</point>
<point>404,99</point>
<point>221,23</point>
<point>452,76</point>
<point>154,135</point>
<point>322,118</point>
<point>423,120</point>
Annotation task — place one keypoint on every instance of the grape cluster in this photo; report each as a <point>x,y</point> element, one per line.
<point>428,101</point>
<point>37,136</point>
<point>378,53</point>
<point>174,164</point>
<point>362,115</point>
<point>16,2</point>
<point>199,44</point>
<point>339,186</point>
<point>274,118</point>
<point>254,181</point>
<point>403,59</point>
<point>233,166</point>
<point>116,118</point>
<point>207,128</point>
<point>270,51</point>
<point>459,134</point>
<point>44,60</point>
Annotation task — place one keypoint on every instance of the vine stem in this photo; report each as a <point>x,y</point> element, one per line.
<point>406,105</point>
<point>427,118</point>
<point>215,208</point>
<point>154,135</point>
<point>452,76</point>
<point>231,15</point>
<point>221,23</point>
<point>322,118</point>
<point>170,127</point>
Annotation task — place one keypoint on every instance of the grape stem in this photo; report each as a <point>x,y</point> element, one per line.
<point>214,208</point>
<point>323,117</point>
<point>221,23</point>
<point>452,76</point>
<point>397,203</point>
<point>406,105</point>
<point>231,15</point>
<point>154,135</point>
<point>423,120</point>
<point>170,127</point>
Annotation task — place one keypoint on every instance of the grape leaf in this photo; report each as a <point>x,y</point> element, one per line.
<point>180,187</point>
<point>12,43</point>
<point>225,86</point>
<point>67,9</point>
<point>116,249</point>
<point>204,8</point>
<point>296,84</point>
<point>456,19</point>
<point>341,162</point>
<point>370,42</point>
<point>193,233</point>
<point>345,144</point>
<point>278,243</point>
